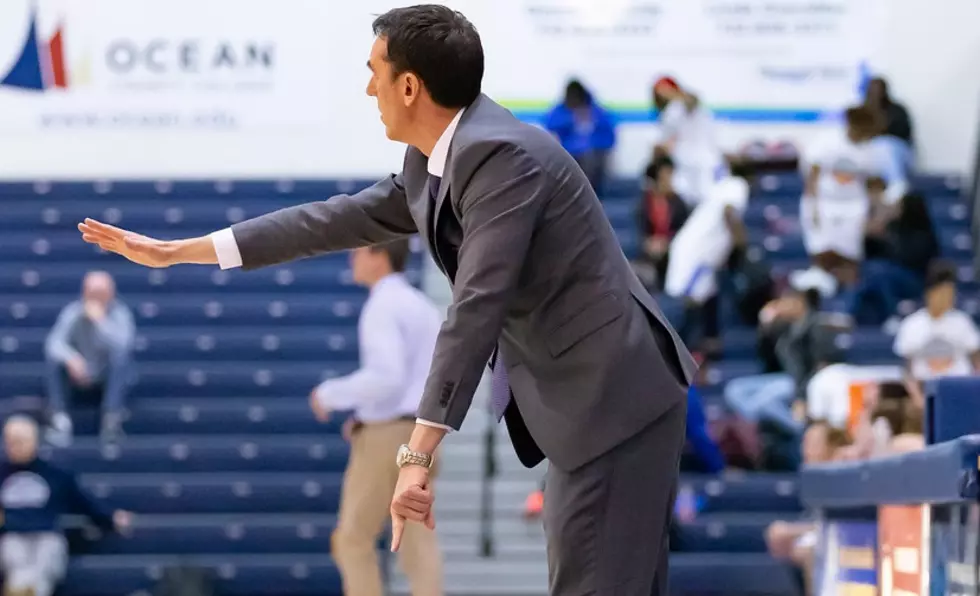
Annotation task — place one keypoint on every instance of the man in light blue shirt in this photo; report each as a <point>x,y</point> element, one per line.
<point>397,334</point>
<point>88,354</point>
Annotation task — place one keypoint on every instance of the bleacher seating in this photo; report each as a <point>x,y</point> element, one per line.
<point>223,460</point>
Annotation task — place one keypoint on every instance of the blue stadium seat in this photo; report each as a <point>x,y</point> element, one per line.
<point>200,379</point>
<point>302,276</point>
<point>283,574</point>
<point>218,492</point>
<point>176,454</point>
<point>205,344</point>
<point>205,309</point>
<point>726,533</point>
<point>747,493</point>
<point>212,534</point>
<point>236,416</point>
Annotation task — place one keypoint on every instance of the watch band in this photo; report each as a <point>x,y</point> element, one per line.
<point>407,457</point>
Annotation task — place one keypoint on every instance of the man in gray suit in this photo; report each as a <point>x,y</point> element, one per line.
<point>586,370</point>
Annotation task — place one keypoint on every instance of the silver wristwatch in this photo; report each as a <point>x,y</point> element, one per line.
<point>407,457</point>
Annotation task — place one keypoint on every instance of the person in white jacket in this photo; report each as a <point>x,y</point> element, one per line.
<point>688,136</point>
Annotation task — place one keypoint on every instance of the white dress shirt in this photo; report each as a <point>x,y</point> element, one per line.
<point>397,334</point>
<point>230,257</point>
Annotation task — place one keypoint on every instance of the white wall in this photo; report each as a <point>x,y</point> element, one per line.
<point>307,116</point>
<point>930,53</point>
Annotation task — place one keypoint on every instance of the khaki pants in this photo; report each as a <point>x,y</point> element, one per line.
<point>365,499</point>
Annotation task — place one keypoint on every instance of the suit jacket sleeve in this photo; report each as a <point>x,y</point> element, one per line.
<point>375,215</point>
<point>499,209</point>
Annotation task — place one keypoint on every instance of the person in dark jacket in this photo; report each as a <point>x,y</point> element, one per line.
<point>35,495</point>
<point>801,344</point>
<point>897,122</point>
<point>895,138</point>
<point>901,248</point>
<point>585,129</point>
<point>661,214</point>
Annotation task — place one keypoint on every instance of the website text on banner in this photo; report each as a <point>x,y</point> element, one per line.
<point>277,89</point>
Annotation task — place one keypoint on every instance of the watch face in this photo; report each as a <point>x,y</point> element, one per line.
<point>401,455</point>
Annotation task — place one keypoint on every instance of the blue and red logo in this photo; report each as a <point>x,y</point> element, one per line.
<point>41,65</point>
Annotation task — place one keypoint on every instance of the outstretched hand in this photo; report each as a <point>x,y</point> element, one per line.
<point>143,250</point>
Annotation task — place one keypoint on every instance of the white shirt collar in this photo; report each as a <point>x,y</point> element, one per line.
<point>440,152</point>
<point>391,278</point>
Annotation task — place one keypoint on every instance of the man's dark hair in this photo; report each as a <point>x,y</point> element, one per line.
<point>940,273</point>
<point>398,252</point>
<point>440,46</point>
<point>576,94</point>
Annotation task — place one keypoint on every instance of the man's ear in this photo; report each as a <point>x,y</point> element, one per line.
<point>412,88</point>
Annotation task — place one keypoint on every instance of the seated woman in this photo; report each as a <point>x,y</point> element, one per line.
<point>900,247</point>
<point>835,204</point>
<point>661,214</point>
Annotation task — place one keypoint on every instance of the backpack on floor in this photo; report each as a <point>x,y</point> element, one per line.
<point>186,581</point>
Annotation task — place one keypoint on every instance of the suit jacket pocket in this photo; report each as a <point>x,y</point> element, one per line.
<point>594,316</point>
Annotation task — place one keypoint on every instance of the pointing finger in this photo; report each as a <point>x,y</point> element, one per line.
<point>397,528</point>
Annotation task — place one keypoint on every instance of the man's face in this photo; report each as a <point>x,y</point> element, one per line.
<point>98,287</point>
<point>393,93</point>
<point>366,265</point>
<point>941,298</point>
<point>19,446</point>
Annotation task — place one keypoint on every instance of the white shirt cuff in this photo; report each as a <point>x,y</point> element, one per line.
<point>322,395</point>
<point>226,248</point>
<point>448,429</point>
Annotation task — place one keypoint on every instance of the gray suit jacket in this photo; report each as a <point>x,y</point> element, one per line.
<point>534,262</point>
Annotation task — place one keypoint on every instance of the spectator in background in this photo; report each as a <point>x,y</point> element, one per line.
<point>900,248</point>
<point>896,134</point>
<point>397,334</point>
<point>802,346</point>
<point>35,495</point>
<point>585,129</point>
<point>835,203</point>
<point>937,340</point>
<point>699,251</point>
<point>88,354</point>
<point>688,136</point>
<point>794,541</point>
<point>702,453</point>
<point>661,215</point>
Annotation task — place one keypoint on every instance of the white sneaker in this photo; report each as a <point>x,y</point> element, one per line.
<point>60,431</point>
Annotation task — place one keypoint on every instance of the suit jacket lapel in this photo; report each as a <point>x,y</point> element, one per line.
<point>446,183</point>
<point>432,217</point>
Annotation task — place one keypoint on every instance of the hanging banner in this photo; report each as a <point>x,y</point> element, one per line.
<point>260,88</point>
